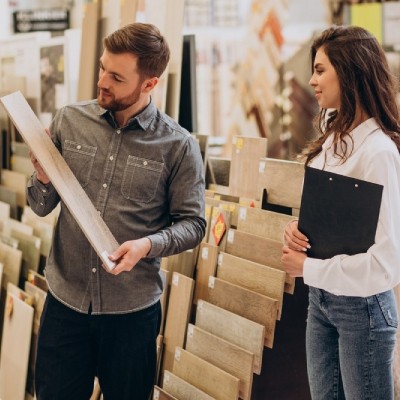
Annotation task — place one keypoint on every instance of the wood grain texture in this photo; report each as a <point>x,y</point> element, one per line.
<point>161,394</point>
<point>61,176</point>
<point>264,223</point>
<point>181,389</point>
<point>177,318</point>
<point>12,261</point>
<point>30,247</point>
<point>15,346</point>
<point>248,304</point>
<point>253,276</point>
<point>5,211</point>
<point>243,174</point>
<point>15,181</point>
<point>38,280</point>
<point>9,196</point>
<point>283,181</point>
<point>205,376</point>
<point>223,354</point>
<point>234,328</point>
<point>258,249</point>
<point>206,267</point>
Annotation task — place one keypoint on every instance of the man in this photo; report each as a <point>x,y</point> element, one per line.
<point>143,172</point>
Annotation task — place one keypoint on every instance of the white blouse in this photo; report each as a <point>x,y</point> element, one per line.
<point>375,158</point>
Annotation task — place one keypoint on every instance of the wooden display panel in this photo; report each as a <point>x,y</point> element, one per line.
<point>223,354</point>
<point>128,9</point>
<point>183,263</point>
<point>177,318</point>
<point>234,328</point>
<point>283,181</point>
<point>5,211</point>
<point>17,182</point>
<point>205,376</point>
<point>15,347</point>
<point>61,176</point>
<point>11,260</point>
<point>161,394</point>
<point>12,225</point>
<point>248,304</point>
<point>181,389</point>
<point>264,223</point>
<point>243,174</point>
<point>259,278</point>
<point>9,196</point>
<point>22,165</point>
<point>37,280</point>
<point>258,249</point>
<point>30,247</point>
<point>206,267</point>
<point>207,216</point>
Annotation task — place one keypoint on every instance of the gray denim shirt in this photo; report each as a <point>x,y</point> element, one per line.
<point>145,179</point>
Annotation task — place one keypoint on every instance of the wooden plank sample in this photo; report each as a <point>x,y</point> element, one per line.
<point>128,9</point>
<point>206,267</point>
<point>13,225</point>
<point>15,181</point>
<point>5,211</point>
<point>181,389</point>
<point>283,181</point>
<point>161,394</point>
<point>38,280</point>
<point>243,175</point>
<point>15,346</point>
<point>65,182</point>
<point>264,223</point>
<point>248,304</point>
<point>184,262</point>
<point>12,261</point>
<point>223,354</point>
<point>205,376</point>
<point>258,249</point>
<point>234,328</point>
<point>30,247</point>
<point>22,165</point>
<point>177,318</point>
<point>9,196</point>
<point>253,276</point>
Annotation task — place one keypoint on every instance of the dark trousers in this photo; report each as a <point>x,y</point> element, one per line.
<point>73,348</point>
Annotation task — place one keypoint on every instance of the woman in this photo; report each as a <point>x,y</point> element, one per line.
<point>352,316</point>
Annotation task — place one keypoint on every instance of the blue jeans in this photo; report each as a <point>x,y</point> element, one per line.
<point>73,348</point>
<point>350,343</point>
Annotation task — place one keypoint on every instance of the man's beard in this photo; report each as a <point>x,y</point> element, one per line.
<point>121,104</point>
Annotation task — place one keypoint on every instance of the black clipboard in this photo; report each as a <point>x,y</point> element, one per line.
<point>338,214</point>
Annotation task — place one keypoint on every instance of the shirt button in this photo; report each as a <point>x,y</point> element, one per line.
<point>104,185</point>
<point>111,158</point>
<point>94,270</point>
<point>145,162</point>
<point>79,147</point>
<point>44,190</point>
<point>118,131</point>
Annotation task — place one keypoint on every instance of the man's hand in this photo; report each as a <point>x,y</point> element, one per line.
<point>293,261</point>
<point>129,254</point>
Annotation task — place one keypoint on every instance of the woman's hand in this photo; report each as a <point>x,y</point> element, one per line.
<point>294,239</point>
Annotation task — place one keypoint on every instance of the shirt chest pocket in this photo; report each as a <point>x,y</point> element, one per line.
<point>80,158</point>
<point>141,179</point>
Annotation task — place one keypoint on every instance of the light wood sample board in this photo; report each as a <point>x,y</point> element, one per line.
<point>61,176</point>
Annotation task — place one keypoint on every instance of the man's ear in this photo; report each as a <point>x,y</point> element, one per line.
<point>149,84</point>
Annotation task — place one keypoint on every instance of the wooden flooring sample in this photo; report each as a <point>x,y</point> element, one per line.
<point>61,176</point>
<point>15,347</point>
<point>12,262</point>
<point>259,278</point>
<point>234,328</point>
<point>9,196</point>
<point>15,181</point>
<point>207,377</point>
<point>38,280</point>
<point>5,211</point>
<point>223,354</point>
<point>177,318</point>
<point>264,223</point>
<point>283,181</point>
<point>206,267</point>
<point>161,394</point>
<point>181,389</point>
<point>243,174</point>
<point>30,247</point>
<point>258,249</point>
<point>248,304</point>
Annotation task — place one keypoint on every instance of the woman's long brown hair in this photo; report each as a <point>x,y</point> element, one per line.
<point>364,79</point>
